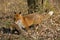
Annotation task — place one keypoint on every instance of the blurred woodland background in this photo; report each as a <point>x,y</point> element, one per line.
<point>47,30</point>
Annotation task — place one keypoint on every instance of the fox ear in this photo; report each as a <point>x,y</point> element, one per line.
<point>19,12</point>
<point>14,12</point>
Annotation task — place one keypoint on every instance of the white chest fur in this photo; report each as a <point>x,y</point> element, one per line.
<point>20,24</point>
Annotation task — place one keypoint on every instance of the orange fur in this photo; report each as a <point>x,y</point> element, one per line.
<point>30,19</point>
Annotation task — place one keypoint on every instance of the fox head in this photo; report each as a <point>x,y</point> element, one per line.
<point>18,19</point>
<point>17,16</point>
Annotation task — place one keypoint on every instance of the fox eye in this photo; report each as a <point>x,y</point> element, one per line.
<point>19,12</point>
<point>14,12</point>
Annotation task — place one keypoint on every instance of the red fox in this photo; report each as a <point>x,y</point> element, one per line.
<point>25,21</point>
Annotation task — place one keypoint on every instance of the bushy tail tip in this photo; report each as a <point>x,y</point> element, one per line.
<point>50,13</point>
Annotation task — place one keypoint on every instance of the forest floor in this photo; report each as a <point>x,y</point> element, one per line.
<point>47,30</point>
